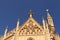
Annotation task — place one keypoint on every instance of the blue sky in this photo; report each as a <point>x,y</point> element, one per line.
<point>11,10</point>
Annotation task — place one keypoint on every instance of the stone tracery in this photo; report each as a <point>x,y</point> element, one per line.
<point>31,29</point>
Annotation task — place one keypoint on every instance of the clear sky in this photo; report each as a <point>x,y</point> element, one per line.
<point>11,10</point>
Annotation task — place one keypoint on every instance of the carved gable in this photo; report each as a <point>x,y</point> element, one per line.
<point>32,30</point>
<point>31,27</point>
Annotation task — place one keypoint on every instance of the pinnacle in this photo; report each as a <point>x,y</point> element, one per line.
<point>30,13</point>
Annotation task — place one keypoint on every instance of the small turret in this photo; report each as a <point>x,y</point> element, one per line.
<point>50,22</point>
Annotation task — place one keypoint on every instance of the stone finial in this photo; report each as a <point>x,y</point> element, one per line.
<point>30,13</point>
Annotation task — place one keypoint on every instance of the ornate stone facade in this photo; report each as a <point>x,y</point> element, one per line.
<point>32,30</point>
